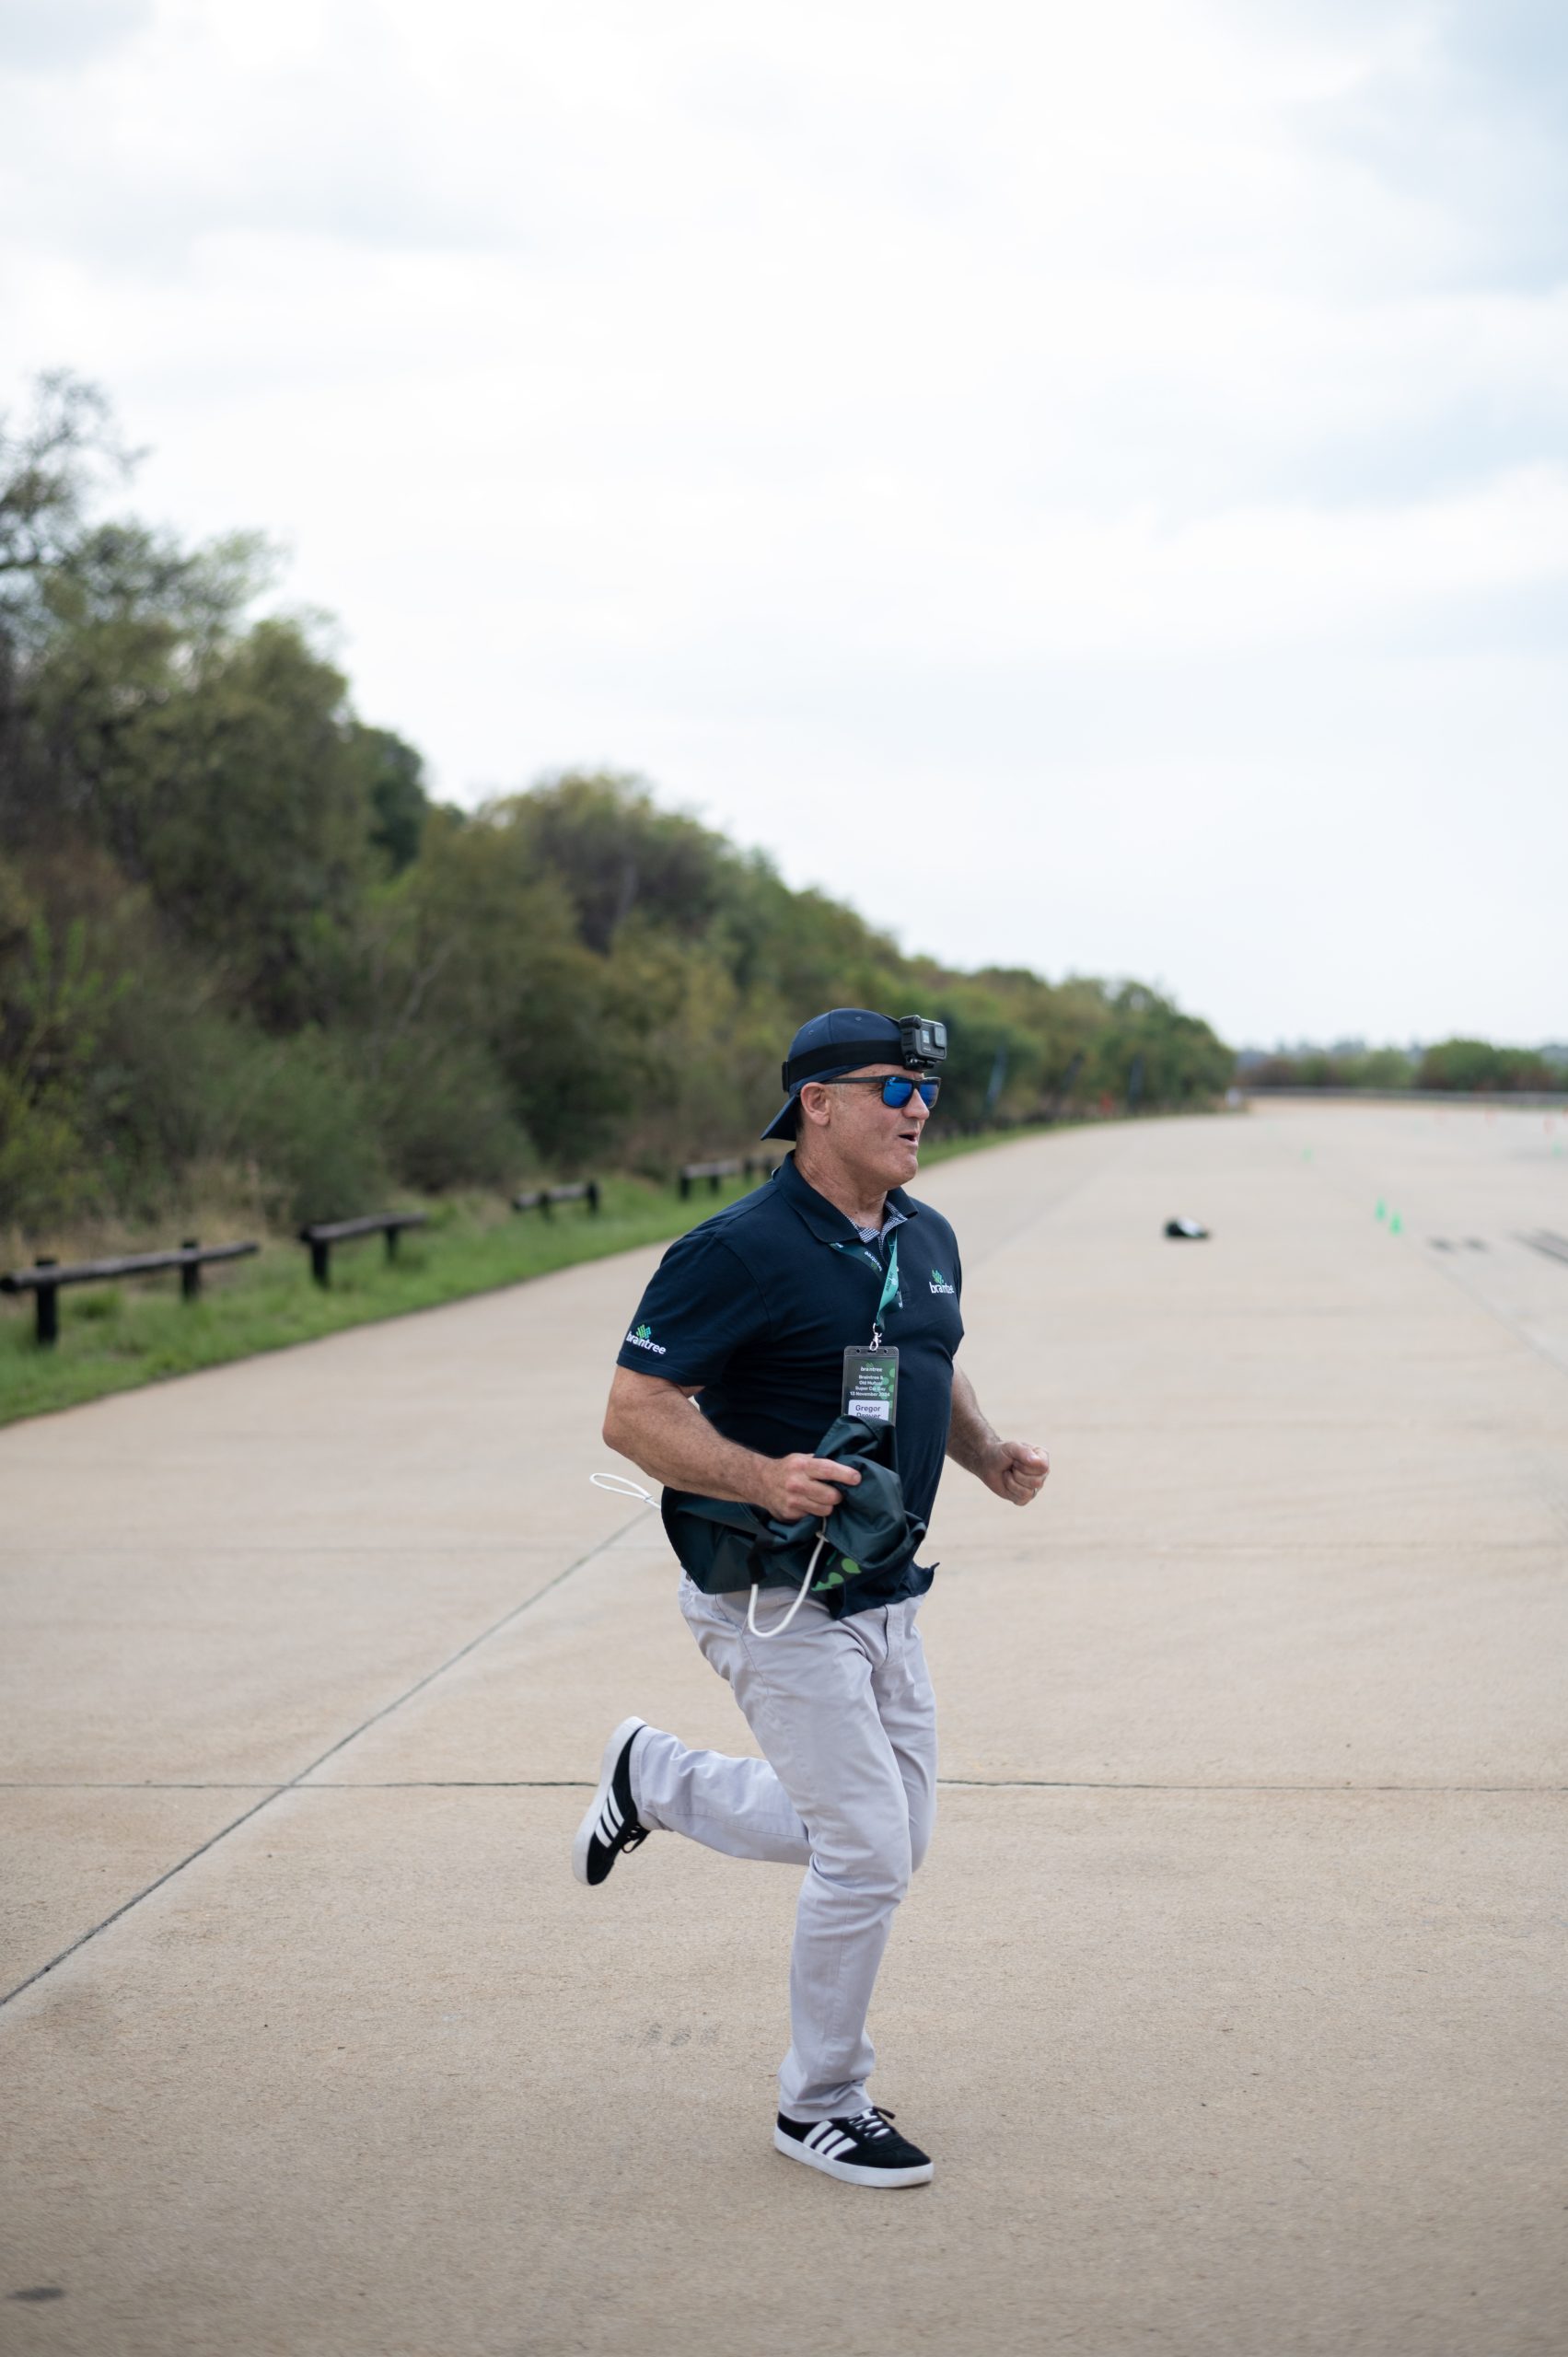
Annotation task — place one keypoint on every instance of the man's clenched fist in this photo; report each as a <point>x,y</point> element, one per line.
<point>1018,1471</point>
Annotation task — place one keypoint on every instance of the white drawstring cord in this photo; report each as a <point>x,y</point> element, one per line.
<point>780,1626</point>
<point>619,1487</point>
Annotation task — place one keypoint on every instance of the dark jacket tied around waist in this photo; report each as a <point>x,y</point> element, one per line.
<point>724,1545</point>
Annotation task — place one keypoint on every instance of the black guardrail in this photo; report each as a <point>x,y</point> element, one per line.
<point>324,1234</point>
<point>542,1199</point>
<point>734,1165</point>
<point>44,1279</point>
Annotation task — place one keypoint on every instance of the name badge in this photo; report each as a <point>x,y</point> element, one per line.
<point>871,1386</point>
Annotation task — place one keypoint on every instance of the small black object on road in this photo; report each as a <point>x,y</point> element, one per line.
<point>1190,1227</point>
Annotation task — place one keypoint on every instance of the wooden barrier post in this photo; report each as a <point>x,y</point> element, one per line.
<point>46,1275</point>
<point>46,1302</point>
<point>322,1234</point>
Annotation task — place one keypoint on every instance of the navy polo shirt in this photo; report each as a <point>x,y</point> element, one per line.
<point>758,1305</point>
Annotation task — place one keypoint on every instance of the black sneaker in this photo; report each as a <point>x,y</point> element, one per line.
<point>863,2150</point>
<point>611,1824</point>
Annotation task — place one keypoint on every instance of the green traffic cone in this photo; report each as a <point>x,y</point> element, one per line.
<point>1382,1208</point>
<point>1396,1225</point>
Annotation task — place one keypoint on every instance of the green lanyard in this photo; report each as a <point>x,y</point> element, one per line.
<point>889,1283</point>
<point>890,1293</point>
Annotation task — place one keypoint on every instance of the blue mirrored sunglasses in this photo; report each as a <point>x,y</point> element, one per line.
<point>895,1088</point>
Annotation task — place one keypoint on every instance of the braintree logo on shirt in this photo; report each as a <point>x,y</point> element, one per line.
<point>940,1283</point>
<point>644,1341</point>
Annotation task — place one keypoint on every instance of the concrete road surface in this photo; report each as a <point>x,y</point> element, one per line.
<point>1230,2002</point>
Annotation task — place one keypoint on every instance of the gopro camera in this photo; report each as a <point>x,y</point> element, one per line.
<point>921,1040</point>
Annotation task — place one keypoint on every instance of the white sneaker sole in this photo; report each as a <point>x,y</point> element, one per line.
<point>613,1751</point>
<point>847,2170</point>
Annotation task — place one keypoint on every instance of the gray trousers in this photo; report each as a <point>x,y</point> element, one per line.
<point>844,1715</point>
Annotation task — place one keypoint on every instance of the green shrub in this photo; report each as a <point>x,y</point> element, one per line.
<point>299,1110</point>
<point>1477,1064</point>
<point>444,1118</point>
<point>45,1177</point>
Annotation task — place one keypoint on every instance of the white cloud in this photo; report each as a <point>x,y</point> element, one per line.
<point>1117,454</point>
<point>45,37</point>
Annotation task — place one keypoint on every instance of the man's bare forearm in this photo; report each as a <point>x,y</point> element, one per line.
<point>971,1442</point>
<point>1013,1469</point>
<point>659,1429</point>
<point>656,1425</point>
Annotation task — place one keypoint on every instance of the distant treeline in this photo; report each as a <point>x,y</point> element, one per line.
<point>244,959</point>
<point>1470,1065</point>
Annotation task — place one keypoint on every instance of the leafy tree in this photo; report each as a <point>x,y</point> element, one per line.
<point>1477,1064</point>
<point>1384,1068</point>
<point>240,946</point>
<point>394,777</point>
<point>615,851</point>
<point>52,1006</point>
<point>1182,1062</point>
<point>260,848</point>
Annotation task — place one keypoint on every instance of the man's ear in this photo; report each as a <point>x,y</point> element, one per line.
<point>817,1111</point>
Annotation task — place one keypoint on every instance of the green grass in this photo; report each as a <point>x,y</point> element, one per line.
<point>116,1337</point>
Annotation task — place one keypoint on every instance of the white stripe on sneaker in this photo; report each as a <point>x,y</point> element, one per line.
<point>608,1821</point>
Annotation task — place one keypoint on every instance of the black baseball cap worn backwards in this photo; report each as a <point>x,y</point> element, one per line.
<point>844,1040</point>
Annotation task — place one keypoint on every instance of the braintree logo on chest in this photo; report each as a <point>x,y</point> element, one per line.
<point>940,1283</point>
<point>644,1341</point>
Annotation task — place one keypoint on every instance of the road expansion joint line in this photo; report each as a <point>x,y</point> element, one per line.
<point>198,1554</point>
<point>136,1899</point>
<point>275,1792</point>
<point>957,1783</point>
<point>1123,1784</point>
<point>463,1651</point>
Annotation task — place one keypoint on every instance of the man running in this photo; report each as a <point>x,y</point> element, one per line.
<point>826,1290</point>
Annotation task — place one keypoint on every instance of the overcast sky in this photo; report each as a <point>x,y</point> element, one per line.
<point>1088,484</point>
